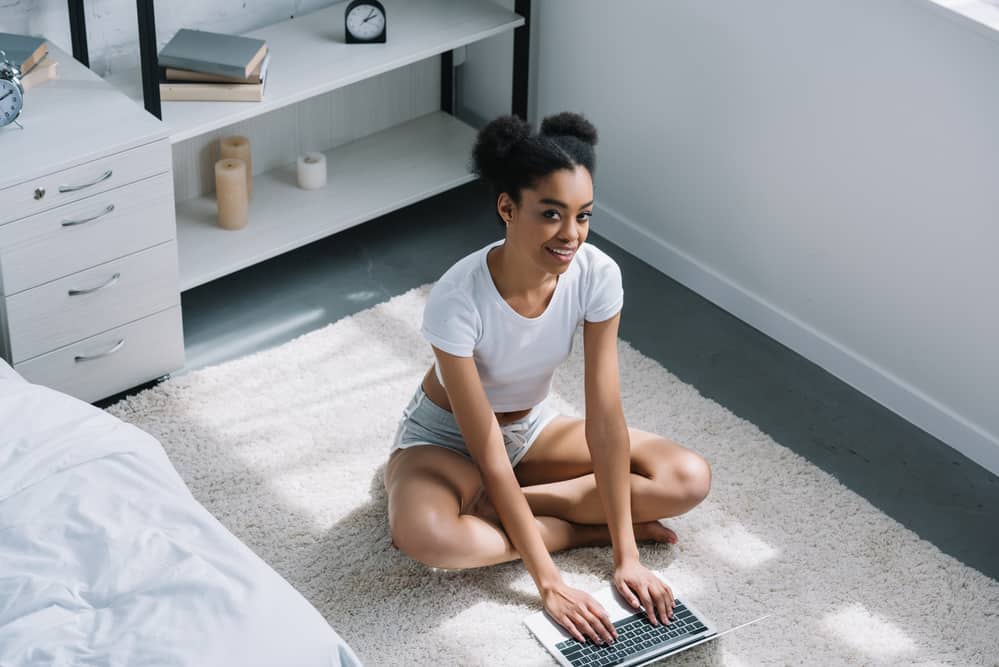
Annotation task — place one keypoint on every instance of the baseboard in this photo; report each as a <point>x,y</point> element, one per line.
<point>862,374</point>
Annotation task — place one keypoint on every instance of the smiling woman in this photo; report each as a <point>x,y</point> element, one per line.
<point>482,469</point>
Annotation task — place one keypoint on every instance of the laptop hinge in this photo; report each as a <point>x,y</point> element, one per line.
<point>661,649</point>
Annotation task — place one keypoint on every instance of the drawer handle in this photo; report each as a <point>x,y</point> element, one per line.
<point>111,281</point>
<point>72,188</point>
<point>70,223</point>
<point>90,357</point>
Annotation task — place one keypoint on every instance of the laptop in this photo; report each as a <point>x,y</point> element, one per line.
<point>638,641</point>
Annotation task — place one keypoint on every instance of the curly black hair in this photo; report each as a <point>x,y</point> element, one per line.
<point>510,158</point>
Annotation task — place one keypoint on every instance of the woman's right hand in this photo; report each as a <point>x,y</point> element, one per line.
<point>579,613</point>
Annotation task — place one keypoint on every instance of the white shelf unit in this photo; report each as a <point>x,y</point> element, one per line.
<point>368,177</point>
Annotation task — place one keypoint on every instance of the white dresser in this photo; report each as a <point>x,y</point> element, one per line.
<point>89,299</point>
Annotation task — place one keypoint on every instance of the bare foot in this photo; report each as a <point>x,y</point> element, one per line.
<point>653,531</point>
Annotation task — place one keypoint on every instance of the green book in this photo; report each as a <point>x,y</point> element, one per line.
<point>213,53</point>
<point>23,50</point>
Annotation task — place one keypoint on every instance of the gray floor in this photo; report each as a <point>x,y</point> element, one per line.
<point>928,487</point>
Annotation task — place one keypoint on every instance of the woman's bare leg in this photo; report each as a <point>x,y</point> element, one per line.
<point>557,476</point>
<point>428,489</point>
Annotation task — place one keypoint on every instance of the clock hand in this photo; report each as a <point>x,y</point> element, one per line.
<point>9,93</point>
<point>370,16</point>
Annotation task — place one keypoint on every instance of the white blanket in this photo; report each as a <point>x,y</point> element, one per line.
<point>107,559</point>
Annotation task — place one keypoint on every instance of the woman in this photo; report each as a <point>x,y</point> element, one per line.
<point>483,470</point>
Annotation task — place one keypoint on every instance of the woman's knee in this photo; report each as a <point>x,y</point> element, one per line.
<point>425,495</point>
<point>424,536</point>
<point>694,475</point>
<point>681,473</point>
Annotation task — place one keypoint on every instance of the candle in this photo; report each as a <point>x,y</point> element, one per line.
<point>311,171</point>
<point>230,192</point>
<point>239,148</point>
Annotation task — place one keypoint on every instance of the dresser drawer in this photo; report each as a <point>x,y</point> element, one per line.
<point>113,361</point>
<point>69,185</point>
<point>98,229</point>
<point>91,301</point>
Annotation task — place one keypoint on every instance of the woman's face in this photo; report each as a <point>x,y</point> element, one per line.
<point>552,220</point>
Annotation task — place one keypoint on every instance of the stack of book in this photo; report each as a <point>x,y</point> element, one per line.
<point>197,65</point>
<point>30,54</point>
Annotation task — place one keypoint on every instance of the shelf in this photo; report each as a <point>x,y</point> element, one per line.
<point>309,56</point>
<point>367,178</point>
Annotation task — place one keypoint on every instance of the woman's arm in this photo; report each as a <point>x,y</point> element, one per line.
<point>607,434</point>
<point>484,439</point>
<point>610,449</point>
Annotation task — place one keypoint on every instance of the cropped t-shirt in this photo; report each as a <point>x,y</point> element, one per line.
<point>516,356</point>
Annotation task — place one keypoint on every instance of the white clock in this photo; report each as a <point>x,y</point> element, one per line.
<point>11,91</point>
<point>365,22</point>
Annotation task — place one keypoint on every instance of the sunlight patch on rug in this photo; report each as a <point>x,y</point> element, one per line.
<point>733,543</point>
<point>869,633</point>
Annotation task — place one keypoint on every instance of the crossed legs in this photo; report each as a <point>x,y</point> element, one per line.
<point>438,516</point>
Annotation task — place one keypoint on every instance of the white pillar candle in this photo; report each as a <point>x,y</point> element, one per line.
<point>311,171</point>
<point>230,192</point>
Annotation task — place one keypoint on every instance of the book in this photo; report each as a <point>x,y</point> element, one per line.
<point>213,53</point>
<point>23,50</point>
<point>39,74</point>
<point>208,91</point>
<point>175,91</point>
<point>256,76</point>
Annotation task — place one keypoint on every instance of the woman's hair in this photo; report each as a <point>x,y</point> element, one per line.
<point>510,158</point>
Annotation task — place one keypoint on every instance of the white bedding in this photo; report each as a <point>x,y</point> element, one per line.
<point>107,559</point>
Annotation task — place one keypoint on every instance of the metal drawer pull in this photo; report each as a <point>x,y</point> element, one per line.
<point>91,357</point>
<point>70,223</point>
<point>111,281</point>
<point>72,188</point>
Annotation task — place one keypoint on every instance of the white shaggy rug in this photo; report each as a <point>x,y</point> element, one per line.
<point>287,448</point>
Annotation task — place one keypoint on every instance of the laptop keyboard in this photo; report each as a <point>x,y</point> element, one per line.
<point>635,634</point>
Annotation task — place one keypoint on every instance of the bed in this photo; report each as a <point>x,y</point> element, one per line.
<point>107,559</point>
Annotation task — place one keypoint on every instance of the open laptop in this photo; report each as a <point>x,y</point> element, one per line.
<point>638,641</point>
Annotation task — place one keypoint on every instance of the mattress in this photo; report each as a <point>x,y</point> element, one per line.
<point>107,559</point>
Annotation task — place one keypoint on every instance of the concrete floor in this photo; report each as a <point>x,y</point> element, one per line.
<point>914,478</point>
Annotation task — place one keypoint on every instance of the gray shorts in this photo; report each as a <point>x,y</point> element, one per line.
<point>426,423</point>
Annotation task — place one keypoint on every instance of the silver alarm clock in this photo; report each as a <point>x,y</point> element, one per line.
<point>11,91</point>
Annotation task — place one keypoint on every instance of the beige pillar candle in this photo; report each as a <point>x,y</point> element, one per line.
<point>239,148</point>
<point>230,191</point>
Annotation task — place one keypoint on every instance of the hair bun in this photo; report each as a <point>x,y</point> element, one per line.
<point>570,124</point>
<point>503,133</point>
<point>495,142</point>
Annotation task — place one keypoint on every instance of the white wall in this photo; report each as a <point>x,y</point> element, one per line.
<point>825,170</point>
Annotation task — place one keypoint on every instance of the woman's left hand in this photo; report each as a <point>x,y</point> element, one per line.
<point>637,584</point>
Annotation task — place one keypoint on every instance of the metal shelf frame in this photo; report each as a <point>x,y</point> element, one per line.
<point>146,14</point>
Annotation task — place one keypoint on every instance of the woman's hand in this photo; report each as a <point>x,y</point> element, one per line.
<point>636,584</point>
<point>580,614</point>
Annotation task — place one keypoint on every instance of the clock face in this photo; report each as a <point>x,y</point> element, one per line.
<point>365,21</point>
<point>10,101</point>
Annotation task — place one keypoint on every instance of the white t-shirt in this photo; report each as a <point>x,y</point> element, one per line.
<point>516,356</point>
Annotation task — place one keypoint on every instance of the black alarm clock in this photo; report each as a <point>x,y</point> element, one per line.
<point>364,22</point>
